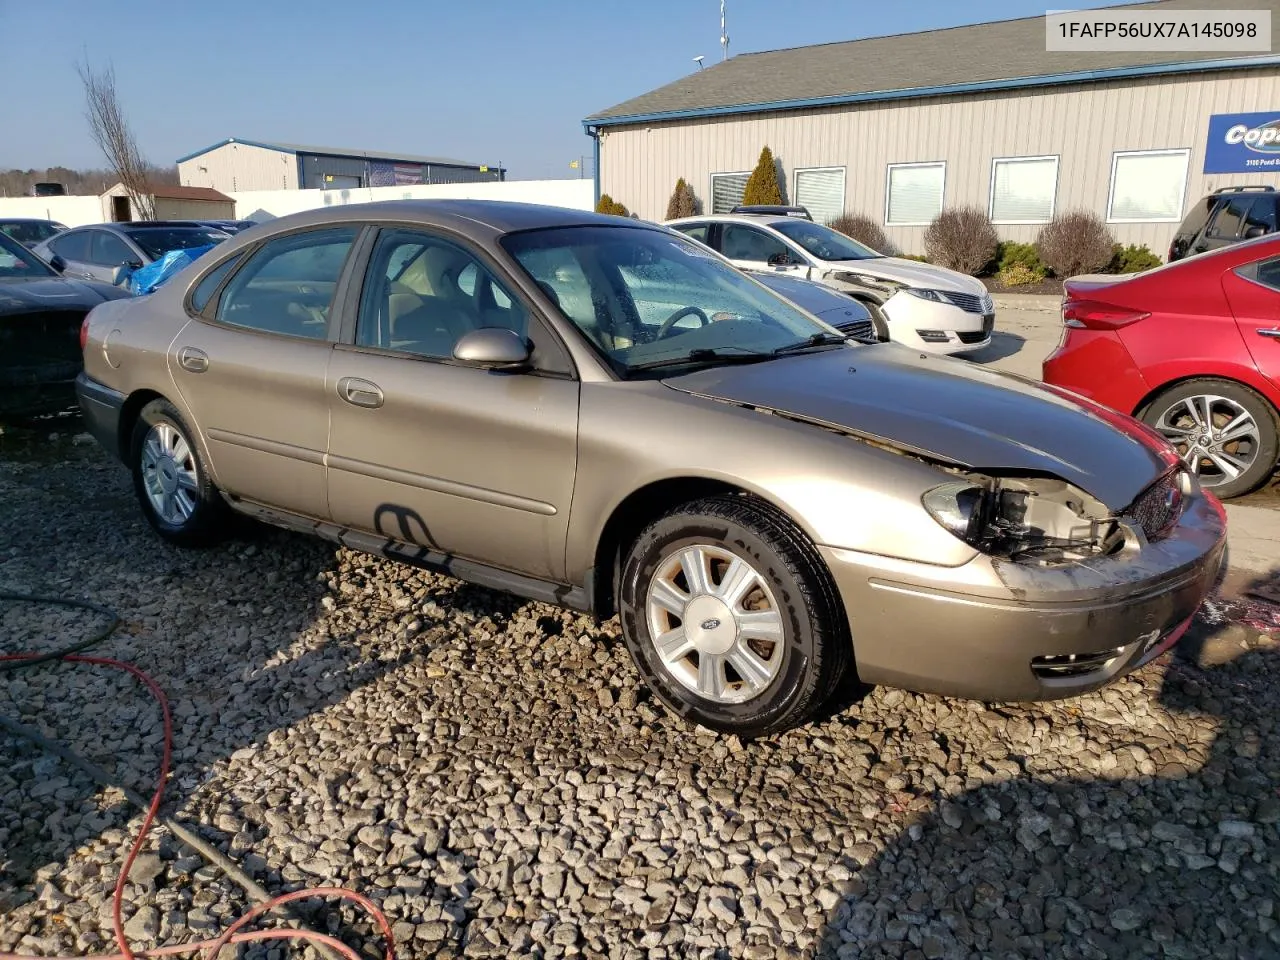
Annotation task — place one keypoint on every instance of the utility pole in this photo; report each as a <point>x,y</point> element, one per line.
<point>724,35</point>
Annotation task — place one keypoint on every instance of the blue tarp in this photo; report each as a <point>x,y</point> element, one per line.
<point>146,279</point>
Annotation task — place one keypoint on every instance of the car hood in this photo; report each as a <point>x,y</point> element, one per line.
<point>911,273</point>
<point>951,411</point>
<point>53,293</point>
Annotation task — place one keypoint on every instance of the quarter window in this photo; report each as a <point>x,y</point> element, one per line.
<point>914,193</point>
<point>423,293</point>
<point>205,288</point>
<point>287,287</point>
<point>1148,186</point>
<point>1023,189</point>
<point>727,190</point>
<point>1265,272</point>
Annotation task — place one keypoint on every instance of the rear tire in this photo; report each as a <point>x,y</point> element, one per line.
<point>171,479</point>
<point>765,643</point>
<point>1229,463</point>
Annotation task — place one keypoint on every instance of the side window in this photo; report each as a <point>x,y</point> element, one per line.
<point>422,294</point>
<point>71,246</point>
<point>698,231</point>
<point>288,285</point>
<point>204,289</point>
<point>108,250</point>
<point>1262,215</point>
<point>1265,272</point>
<point>1229,223</point>
<point>740,242</point>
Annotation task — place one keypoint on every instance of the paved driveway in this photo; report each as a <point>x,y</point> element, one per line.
<point>1028,329</point>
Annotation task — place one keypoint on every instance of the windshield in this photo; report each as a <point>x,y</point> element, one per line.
<point>157,241</point>
<point>30,232</point>
<point>650,299</point>
<point>19,263</point>
<point>823,242</point>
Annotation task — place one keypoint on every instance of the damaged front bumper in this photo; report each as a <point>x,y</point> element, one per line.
<point>996,629</point>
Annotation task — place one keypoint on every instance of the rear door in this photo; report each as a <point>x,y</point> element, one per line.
<point>1253,290</point>
<point>251,368</point>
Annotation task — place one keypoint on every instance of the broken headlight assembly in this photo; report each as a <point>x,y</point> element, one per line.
<point>1031,520</point>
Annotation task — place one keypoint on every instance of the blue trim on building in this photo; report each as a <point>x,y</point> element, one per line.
<point>223,143</point>
<point>595,163</point>
<point>914,93</point>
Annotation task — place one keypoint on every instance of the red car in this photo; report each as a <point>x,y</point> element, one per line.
<point>1191,348</point>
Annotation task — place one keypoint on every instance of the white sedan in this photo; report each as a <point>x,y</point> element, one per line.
<point>917,304</point>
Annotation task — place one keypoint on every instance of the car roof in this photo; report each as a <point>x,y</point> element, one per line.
<point>499,216</point>
<point>766,219</point>
<point>27,220</point>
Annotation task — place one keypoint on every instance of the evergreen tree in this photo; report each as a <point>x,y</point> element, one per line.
<point>762,186</point>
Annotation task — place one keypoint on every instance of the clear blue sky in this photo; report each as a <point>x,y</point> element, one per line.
<point>500,81</point>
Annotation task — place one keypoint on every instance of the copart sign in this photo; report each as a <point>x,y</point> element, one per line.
<point>1243,143</point>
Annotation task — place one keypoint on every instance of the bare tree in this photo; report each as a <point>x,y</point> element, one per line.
<point>111,132</point>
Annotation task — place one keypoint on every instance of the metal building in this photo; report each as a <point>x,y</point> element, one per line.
<point>898,127</point>
<point>235,164</point>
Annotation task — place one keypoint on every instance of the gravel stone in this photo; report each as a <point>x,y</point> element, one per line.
<point>493,773</point>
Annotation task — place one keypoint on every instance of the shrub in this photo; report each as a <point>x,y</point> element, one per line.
<point>961,239</point>
<point>762,185</point>
<point>606,204</point>
<point>863,229</point>
<point>1011,253</point>
<point>1018,275</point>
<point>918,257</point>
<point>682,203</point>
<point>1074,243</point>
<point>1132,259</point>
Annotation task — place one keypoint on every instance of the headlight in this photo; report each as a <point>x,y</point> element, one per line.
<point>1032,520</point>
<point>933,295</point>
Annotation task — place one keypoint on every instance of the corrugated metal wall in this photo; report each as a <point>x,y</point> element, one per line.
<point>1083,125</point>
<point>240,166</point>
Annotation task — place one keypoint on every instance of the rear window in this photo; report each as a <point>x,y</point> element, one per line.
<point>29,233</point>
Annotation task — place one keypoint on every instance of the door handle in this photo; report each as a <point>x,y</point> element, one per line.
<point>1272,332</point>
<point>361,393</point>
<point>196,361</point>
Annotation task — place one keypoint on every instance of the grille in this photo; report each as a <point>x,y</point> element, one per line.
<point>970,302</point>
<point>1159,507</point>
<point>859,329</point>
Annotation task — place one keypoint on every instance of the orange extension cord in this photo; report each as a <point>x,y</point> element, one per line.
<point>234,933</point>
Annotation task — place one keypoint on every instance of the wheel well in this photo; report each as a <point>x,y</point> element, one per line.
<point>129,414</point>
<point>1146,401</point>
<point>630,517</point>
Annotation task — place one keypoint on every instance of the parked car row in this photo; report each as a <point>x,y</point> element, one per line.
<point>607,414</point>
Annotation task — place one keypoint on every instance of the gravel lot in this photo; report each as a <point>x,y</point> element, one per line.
<point>491,772</point>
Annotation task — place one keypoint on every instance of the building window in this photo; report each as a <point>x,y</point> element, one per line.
<point>820,190</point>
<point>913,196</point>
<point>1023,189</point>
<point>1148,186</point>
<point>727,190</point>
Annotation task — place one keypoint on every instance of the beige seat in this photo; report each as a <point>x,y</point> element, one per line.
<point>431,324</point>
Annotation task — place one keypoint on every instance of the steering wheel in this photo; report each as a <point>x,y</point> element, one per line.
<point>680,314</point>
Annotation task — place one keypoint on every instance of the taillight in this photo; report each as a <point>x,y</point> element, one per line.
<point>84,332</point>
<point>1098,316</point>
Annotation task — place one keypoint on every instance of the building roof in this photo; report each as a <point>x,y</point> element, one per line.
<point>169,191</point>
<point>296,148</point>
<point>986,56</point>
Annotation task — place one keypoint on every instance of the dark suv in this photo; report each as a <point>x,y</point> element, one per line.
<point>1226,216</point>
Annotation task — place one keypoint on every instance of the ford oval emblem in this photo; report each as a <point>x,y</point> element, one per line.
<point>710,624</point>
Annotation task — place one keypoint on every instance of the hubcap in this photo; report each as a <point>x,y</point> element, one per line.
<point>715,623</point>
<point>169,474</point>
<point>1216,437</point>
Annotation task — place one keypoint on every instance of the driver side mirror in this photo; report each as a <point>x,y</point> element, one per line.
<point>492,348</point>
<point>780,260</point>
<point>58,263</point>
<point>1254,232</point>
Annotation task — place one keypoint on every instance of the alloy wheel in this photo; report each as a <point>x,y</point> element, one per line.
<point>169,474</point>
<point>715,623</point>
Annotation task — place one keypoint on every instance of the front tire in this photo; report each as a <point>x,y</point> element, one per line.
<point>731,617</point>
<point>1223,431</point>
<point>171,478</point>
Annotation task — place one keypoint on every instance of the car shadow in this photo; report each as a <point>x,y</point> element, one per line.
<point>242,650</point>
<point>1002,345</point>
<point>1171,852</point>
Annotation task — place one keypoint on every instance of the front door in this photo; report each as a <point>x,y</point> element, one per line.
<point>252,370</point>
<point>751,248</point>
<point>466,462</point>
